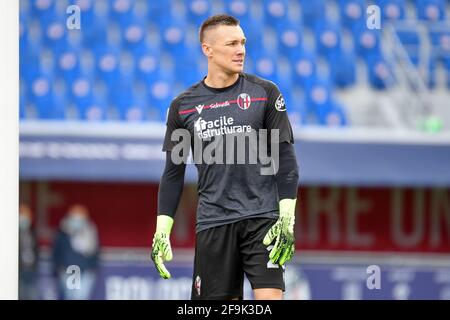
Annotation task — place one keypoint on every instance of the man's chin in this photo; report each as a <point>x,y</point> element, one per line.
<point>238,69</point>
<point>235,69</point>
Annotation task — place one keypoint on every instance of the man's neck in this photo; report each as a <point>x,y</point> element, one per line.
<point>220,79</point>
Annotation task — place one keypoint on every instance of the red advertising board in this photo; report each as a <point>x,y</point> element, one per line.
<point>328,218</point>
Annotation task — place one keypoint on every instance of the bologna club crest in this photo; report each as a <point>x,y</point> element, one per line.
<point>243,101</point>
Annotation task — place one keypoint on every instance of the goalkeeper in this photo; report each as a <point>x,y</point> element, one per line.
<point>245,220</point>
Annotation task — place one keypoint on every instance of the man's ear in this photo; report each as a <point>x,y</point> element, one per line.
<point>207,50</point>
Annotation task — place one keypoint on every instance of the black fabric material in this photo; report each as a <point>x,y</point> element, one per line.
<point>224,254</point>
<point>170,187</point>
<point>287,175</point>
<point>232,191</point>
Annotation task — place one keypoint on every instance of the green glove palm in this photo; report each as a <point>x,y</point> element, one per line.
<point>161,249</point>
<point>283,233</point>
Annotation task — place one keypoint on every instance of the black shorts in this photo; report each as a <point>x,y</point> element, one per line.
<point>223,254</point>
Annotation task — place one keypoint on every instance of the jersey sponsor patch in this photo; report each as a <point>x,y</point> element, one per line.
<point>280,105</point>
<point>244,101</point>
<point>224,125</point>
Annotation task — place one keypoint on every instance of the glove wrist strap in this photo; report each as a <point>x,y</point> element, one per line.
<point>287,207</point>
<point>164,224</point>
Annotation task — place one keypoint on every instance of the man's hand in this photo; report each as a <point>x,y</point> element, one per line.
<point>161,250</point>
<point>283,233</point>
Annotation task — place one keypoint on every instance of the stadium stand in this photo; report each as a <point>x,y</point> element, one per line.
<point>132,56</point>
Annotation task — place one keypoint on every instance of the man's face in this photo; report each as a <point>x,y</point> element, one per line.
<point>225,47</point>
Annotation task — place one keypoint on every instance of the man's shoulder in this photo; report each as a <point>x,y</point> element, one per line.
<point>265,83</point>
<point>186,93</point>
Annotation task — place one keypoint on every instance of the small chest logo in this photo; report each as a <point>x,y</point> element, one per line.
<point>244,101</point>
<point>199,108</point>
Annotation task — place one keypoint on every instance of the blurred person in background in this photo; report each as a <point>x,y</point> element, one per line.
<point>28,255</point>
<point>76,244</point>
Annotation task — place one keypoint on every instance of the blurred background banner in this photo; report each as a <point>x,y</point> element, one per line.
<point>337,218</point>
<point>367,89</point>
<point>329,278</point>
<point>358,158</point>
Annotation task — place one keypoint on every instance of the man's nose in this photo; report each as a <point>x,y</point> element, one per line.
<point>241,49</point>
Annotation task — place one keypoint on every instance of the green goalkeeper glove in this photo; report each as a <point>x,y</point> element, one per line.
<point>161,250</point>
<point>283,233</point>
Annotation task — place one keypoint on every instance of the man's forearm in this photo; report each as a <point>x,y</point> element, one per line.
<point>287,175</point>
<point>170,187</point>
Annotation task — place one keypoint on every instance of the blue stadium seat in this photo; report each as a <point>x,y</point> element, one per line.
<point>408,37</point>
<point>159,12</point>
<point>137,110</point>
<point>303,67</point>
<point>334,116</point>
<point>367,41</point>
<point>312,12</point>
<point>255,38</point>
<point>39,87</point>
<point>43,97</point>
<point>440,41</point>
<point>43,9</point>
<point>239,9</point>
<point>289,38</point>
<point>173,36</point>
<point>342,68</point>
<point>352,12</point>
<point>121,11</point>
<point>392,10</point>
<point>318,95</point>
<point>94,109</point>
<point>431,10</point>
<point>87,11</point>
<point>147,65</point>
<point>55,34</point>
<point>131,107</point>
<point>133,34</point>
<point>107,65</point>
<point>328,37</point>
<point>29,66</point>
<point>81,92</point>
<point>160,97</point>
<point>275,12</point>
<point>198,11</point>
<point>68,65</point>
<point>94,24</point>
<point>379,73</point>
<point>266,67</point>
